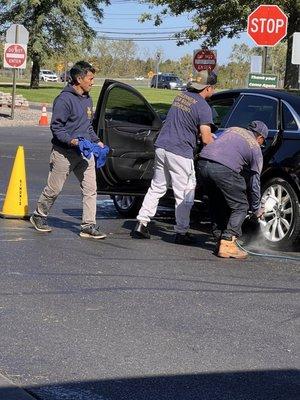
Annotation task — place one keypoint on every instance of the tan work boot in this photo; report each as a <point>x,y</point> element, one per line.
<point>229,249</point>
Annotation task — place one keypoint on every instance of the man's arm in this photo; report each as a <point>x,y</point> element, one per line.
<point>255,193</point>
<point>205,134</point>
<point>60,116</point>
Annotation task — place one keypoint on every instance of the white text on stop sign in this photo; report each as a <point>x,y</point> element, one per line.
<point>268,25</point>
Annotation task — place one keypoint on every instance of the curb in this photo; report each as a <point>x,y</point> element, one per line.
<point>9,391</point>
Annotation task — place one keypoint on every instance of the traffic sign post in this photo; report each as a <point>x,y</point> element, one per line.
<point>204,59</point>
<point>157,56</point>
<point>296,52</point>
<point>267,26</point>
<point>15,54</point>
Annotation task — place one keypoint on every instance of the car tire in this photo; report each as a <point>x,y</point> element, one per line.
<point>127,206</point>
<point>281,224</point>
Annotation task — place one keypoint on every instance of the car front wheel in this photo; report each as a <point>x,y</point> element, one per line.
<point>281,224</point>
<point>127,206</point>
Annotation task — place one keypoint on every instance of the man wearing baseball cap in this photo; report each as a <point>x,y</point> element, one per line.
<point>188,119</point>
<point>221,166</point>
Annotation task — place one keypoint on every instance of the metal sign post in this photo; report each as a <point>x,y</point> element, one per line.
<point>15,34</point>
<point>14,78</point>
<point>157,68</point>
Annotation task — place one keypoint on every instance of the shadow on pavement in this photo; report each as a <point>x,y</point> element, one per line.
<point>246,385</point>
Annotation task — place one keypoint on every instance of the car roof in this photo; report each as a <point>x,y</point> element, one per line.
<point>290,97</point>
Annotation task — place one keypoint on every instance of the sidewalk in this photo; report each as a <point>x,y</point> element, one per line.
<point>8,391</point>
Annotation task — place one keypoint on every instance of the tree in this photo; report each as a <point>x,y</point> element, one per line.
<point>52,26</point>
<point>214,20</point>
<point>241,55</point>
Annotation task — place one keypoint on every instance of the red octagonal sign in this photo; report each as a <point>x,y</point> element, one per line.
<point>267,25</point>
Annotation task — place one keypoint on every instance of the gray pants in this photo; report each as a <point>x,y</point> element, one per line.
<point>62,162</point>
<point>171,169</point>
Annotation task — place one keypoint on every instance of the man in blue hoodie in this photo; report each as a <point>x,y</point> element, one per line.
<point>72,118</point>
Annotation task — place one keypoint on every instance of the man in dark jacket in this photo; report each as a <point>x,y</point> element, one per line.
<point>72,117</point>
<point>220,166</point>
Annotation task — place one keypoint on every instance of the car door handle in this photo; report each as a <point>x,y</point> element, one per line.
<point>143,132</point>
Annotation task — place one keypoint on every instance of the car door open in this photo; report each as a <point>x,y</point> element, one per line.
<point>127,123</point>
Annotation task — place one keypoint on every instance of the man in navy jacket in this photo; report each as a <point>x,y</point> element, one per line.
<point>72,118</point>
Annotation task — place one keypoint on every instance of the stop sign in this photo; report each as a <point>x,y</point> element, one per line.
<point>204,59</point>
<point>14,56</point>
<point>267,25</point>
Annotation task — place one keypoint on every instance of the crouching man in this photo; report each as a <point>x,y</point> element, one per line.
<point>220,166</point>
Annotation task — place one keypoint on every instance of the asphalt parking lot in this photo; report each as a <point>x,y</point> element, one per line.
<point>138,320</point>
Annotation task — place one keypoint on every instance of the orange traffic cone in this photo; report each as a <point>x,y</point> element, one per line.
<point>44,119</point>
<point>16,199</point>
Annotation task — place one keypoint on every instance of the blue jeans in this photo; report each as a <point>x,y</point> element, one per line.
<point>227,195</point>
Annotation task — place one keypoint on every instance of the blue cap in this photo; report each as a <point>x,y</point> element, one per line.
<point>259,127</point>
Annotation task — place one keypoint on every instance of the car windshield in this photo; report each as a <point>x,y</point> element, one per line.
<point>172,79</point>
<point>47,72</point>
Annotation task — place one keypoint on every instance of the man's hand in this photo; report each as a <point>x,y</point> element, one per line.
<point>260,213</point>
<point>74,142</point>
<point>101,144</point>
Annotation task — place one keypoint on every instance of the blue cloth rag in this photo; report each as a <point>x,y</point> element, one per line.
<point>88,148</point>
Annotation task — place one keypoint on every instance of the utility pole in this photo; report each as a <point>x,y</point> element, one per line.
<point>157,67</point>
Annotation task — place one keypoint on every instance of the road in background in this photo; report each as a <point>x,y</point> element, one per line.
<point>125,319</point>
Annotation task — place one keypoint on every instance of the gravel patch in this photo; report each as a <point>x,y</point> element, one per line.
<point>23,117</point>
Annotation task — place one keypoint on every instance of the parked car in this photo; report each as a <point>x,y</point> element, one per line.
<point>127,123</point>
<point>139,78</point>
<point>47,75</point>
<point>65,76</point>
<point>167,81</point>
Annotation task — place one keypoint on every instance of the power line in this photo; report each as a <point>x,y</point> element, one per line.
<point>139,33</point>
<point>147,29</point>
<point>156,39</point>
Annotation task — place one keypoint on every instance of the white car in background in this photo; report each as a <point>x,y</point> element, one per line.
<point>47,75</point>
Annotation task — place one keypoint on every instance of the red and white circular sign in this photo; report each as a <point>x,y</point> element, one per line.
<point>204,59</point>
<point>14,55</point>
<point>267,25</point>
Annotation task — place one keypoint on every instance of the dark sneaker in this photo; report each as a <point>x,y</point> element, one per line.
<point>40,223</point>
<point>92,232</point>
<point>186,238</point>
<point>140,232</point>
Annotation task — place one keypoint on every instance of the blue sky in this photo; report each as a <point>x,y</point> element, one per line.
<point>122,16</point>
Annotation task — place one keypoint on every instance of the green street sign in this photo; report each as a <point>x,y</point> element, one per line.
<point>263,81</point>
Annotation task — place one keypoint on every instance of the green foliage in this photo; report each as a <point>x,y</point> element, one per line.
<point>212,20</point>
<point>117,59</point>
<point>240,58</point>
<point>52,25</point>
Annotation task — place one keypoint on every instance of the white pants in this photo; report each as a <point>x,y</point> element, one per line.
<point>171,169</point>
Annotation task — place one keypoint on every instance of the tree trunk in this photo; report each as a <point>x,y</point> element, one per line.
<point>35,73</point>
<point>291,70</point>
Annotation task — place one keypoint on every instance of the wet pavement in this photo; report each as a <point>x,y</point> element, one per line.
<point>132,319</point>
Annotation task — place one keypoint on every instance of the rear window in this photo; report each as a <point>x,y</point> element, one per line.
<point>255,108</point>
<point>289,122</point>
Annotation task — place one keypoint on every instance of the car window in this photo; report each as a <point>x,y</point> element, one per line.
<point>251,108</point>
<point>123,105</point>
<point>171,78</point>
<point>289,122</point>
<point>221,109</point>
